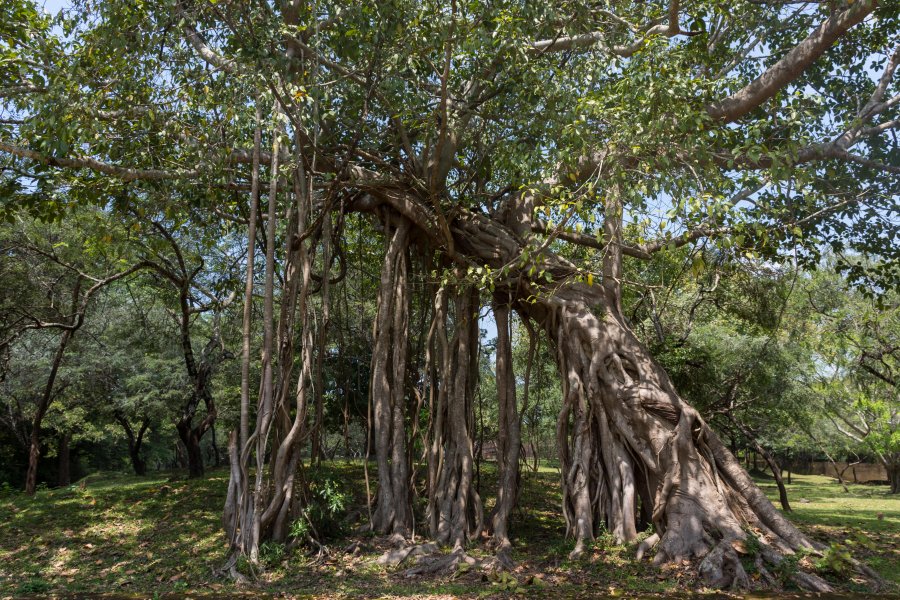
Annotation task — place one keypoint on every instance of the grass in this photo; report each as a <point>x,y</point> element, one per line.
<point>866,519</point>
<point>159,535</point>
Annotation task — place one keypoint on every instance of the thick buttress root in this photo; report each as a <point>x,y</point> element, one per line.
<point>633,453</point>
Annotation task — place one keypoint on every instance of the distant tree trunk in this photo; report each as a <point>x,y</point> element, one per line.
<point>34,449</point>
<point>191,443</point>
<point>767,456</point>
<point>893,471</point>
<point>137,462</point>
<point>74,322</point>
<point>199,372</point>
<point>63,473</point>
<point>181,460</point>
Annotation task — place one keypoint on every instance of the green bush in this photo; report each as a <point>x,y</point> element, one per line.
<point>271,553</point>
<point>323,516</point>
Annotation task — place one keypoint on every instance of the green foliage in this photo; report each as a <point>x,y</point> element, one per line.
<point>271,553</point>
<point>322,515</point>
<point>836,559</point>
<point>788,567</point>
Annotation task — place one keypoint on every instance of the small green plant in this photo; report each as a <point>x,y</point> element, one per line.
<point>300,528</point>
<point>788,567</point>
<point>752,545</point>
<point>322,516</point>
<point>502,580</point>
<point>604,540</point>
<point>837,559</point>
<point>271,553</point>
<point>33,585</point>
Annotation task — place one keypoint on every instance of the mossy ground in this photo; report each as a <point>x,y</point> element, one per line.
<point>161,535</point>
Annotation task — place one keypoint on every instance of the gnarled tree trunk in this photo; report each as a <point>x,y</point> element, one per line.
<point>455,512</point>
<point>393,510</point>
<point>632,449</point>
<point>263,508</point>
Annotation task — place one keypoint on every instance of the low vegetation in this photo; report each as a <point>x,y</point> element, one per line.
<point>111,533</point>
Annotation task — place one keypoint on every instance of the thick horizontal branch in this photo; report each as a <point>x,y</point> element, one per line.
<point>123,173</point>
<point>791,65</point>
<point>642,251</point>
<point>583,239</point>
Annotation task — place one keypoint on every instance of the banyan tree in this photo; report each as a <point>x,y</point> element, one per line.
<point>520,158</point>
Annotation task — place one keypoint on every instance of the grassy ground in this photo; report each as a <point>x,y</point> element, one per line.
<point>159,535</point>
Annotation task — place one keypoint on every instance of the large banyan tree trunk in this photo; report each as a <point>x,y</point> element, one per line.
<point>393,512</point>
<point>455,513</point>
<point>633,452</point>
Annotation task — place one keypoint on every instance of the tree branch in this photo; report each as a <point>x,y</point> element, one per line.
<point>791,65</point>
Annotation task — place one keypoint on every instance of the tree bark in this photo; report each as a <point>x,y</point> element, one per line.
<point>34,447</point>
<point>316,449</point>
<point>63,473</point>
<point>455,513</point>
<point>893,471</point>
<point>626,437</point>
<point>135,441</point>
<point>393,512</point>
<point>246,324</point>
<point>509,435</point>
<point>264,510</point>
<point>191,443</point>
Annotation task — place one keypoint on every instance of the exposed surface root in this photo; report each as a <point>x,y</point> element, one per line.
<point>722,568</point>
<point>436,563</point>
<point>646,545</point>
<point>398,556</point>
<point>502,560</point>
